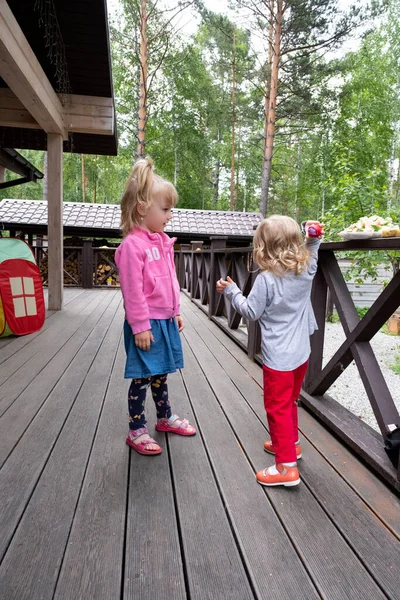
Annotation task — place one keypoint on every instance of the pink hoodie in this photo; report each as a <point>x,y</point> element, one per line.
<point>148,278</point>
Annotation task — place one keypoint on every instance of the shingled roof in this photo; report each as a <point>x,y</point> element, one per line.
<point>103,220</point>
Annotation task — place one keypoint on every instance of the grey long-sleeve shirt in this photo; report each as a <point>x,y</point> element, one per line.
<point>282,305</point>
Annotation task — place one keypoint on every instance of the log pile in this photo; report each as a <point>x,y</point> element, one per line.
<point>105,272</point>
<point>104,258</point>
<point>71,268</point>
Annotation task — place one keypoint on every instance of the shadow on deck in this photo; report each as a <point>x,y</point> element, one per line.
<point>84,518</point>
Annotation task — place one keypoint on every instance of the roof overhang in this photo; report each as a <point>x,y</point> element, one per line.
<point>30,107</point>
<point>13,161</point>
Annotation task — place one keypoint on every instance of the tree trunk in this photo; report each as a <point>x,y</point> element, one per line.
<point>95,180</point>
<point>141,148</point>
<point>232,199</point>
<point>216,181</point>
<point>270,136</point>
<point>83,178</point>
<point>216,173</point>
<point>296,210</point>
<point>392,174</point>
<point>269,68</point>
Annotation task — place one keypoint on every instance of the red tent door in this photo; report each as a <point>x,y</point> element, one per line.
<point>22,296</point>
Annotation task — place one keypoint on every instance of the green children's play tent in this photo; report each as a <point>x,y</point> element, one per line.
<point>22,308</point>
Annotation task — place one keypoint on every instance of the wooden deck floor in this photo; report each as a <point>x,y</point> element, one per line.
<point>84,518</point>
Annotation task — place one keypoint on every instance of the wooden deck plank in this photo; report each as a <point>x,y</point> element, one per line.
<point>385,505</point>
<point>32,562</point>
<point>300,512</point>
<point>22,342</point>
<point>83,517</point>
<point>93,563</point>
<point>70,294</point>
<point>267,551</point>
<point>372,542</point>
<point>51,341</point>
<point>25,347</point>
<point>153,560</point>
<point>212,562</point>
<point>18,416</point>
<point>251,367</point>
<point>369,488</point>
<point>19,475</point>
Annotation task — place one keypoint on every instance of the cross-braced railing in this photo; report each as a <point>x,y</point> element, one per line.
<point>199,269</point>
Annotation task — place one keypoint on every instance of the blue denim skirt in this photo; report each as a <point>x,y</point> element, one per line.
<point>165,354</point>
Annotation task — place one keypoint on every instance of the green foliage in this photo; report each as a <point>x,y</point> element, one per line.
<point>335,132</point>
<point>395,365</point>
<point>361,311</point>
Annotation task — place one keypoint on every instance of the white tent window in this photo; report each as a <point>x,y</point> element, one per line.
<point>23,293</point>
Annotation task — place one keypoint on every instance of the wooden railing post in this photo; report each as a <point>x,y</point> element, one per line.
<point>87,264</point>
<point>196,247</point>
<point>182,267</point>
<point>319,299</point>
<point>218,241</point>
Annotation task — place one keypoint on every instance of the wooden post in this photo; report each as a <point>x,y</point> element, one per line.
<point>182,267</point>
<point>196,247</point>
<point>318,298</point>
<point>2,174</point>
<point>87,264</point>
<point>55,220</point>
<point>217,241</point>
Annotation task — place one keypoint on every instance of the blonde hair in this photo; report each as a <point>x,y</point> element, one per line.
<point>142,185</point>
<point>279,246</point>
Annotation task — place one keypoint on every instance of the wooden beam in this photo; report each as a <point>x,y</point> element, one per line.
<point>22,72</point>
<point>55,220</point>
<point>80,114</point>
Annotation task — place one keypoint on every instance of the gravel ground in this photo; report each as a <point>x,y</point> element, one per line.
<point>348,389</point>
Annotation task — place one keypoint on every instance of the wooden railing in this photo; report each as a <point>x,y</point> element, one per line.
<point>198,270</point>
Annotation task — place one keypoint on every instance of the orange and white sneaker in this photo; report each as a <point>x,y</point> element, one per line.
<point>268,448</point>
<point>279,475</point>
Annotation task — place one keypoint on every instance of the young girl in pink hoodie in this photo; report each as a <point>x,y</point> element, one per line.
<point>150,289</point>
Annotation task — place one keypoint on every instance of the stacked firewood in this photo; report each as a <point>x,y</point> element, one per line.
<point>105,272</point>
<point>71,268</point>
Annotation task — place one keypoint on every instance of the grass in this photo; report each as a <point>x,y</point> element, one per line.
<point>395,367</point>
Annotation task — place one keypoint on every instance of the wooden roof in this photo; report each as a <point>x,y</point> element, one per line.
<point>103,220</point>
<point>85,36</point>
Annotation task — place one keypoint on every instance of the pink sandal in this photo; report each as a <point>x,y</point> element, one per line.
<point>183,429</point>
<point>142,447</point>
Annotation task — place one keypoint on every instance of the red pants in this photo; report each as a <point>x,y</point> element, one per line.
<point>281,390</point>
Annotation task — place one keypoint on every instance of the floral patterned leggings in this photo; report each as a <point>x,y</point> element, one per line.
<point>137,399</point>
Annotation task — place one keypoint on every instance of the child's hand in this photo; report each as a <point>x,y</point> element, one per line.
<point>314,229</point>
<point>180,323</point>
<point>144,339</point>
<point>222,284</point>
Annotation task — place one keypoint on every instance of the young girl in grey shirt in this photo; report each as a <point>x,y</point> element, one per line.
<point>280,301</point>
